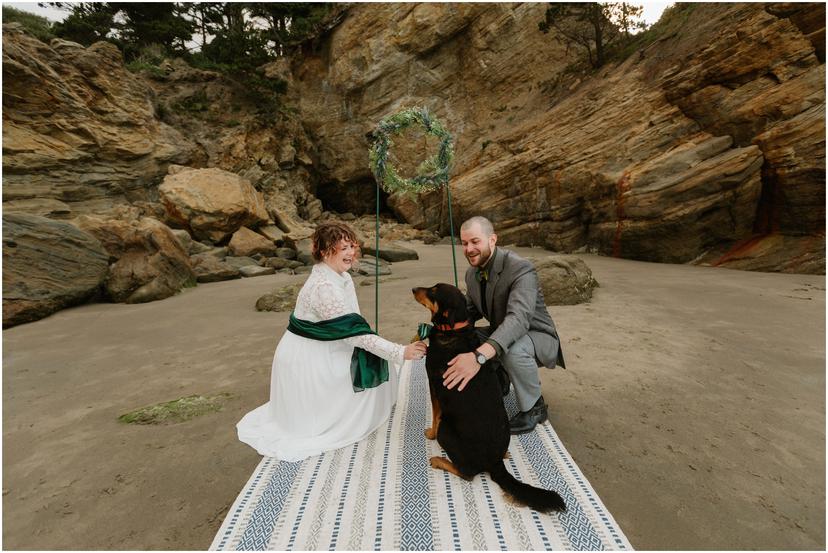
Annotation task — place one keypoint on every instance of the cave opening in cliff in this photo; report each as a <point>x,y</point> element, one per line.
<point>359,197</point>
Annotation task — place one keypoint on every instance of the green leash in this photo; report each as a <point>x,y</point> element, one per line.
<point>376,269</point>
<point>451,230</point>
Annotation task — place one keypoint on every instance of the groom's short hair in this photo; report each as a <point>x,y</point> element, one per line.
<point>485,224</point>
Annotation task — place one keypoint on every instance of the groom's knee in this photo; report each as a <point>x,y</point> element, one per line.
<point>520,356</point>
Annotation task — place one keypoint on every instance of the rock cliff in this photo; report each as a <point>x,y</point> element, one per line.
<point>706,146</point>
<point>706,142</point>
<point>80,132</point>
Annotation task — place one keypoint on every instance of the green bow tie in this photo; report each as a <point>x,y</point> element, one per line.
<point>482,275</point>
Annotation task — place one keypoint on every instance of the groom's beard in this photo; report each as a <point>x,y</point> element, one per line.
<point>483,257</point>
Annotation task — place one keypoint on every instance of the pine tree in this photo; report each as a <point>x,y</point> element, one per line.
<point>593,26</point>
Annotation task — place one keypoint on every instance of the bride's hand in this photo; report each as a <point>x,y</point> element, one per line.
<point>416,350</point>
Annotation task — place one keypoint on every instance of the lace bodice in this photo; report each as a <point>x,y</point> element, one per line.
<point>326,295</point>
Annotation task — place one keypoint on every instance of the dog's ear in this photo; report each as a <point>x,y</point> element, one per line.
<point>450,316</point>
<point>457,307</point>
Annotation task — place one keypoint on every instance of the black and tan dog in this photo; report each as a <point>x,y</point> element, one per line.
<point>472,425</point>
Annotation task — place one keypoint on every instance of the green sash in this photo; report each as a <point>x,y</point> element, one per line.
<point>367,370</point>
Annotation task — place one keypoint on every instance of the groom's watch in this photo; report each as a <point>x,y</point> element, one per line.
<point>481,359</point>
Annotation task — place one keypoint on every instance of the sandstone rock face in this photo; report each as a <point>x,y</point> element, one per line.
<point>246,243</point>
<point>565,280</point>
<point>149,262</point>
<point>706,138</point>
<point>78,127</point>
<point>47,265</point>
<point>212,203</point>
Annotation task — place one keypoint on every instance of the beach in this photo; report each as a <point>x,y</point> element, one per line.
<point>693,402</point>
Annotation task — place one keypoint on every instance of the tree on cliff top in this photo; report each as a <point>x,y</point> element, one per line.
<point>594,26</point>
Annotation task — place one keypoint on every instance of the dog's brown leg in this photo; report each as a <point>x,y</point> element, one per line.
<point>431,433</point>
<point>446,465</point>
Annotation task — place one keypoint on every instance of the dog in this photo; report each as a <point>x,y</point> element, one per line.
<point>471,426</point>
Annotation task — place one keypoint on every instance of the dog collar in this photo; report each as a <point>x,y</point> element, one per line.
<point>457,326</point>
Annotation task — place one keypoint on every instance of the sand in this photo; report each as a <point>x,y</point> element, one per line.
<point>694,403</point>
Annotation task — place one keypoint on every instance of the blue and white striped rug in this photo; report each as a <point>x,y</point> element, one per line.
<point>381,494</point>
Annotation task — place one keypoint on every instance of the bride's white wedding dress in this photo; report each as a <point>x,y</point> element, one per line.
<point>312,406</point>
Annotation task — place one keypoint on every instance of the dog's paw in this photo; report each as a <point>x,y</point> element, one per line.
<point>430,433</point>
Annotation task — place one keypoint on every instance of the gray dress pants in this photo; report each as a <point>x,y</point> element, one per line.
<point>522,367</point>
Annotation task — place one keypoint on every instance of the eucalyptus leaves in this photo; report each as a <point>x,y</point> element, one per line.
<point>432,173</point>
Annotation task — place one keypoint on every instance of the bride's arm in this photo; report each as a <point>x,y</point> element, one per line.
<point>329,303</point>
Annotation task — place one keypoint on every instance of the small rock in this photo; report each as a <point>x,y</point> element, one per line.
<point>255,270</point>
<point>373,260</point>
<point>391,251</point>
<point>302,270</point>
<point>199,247</point>
<point>286,253</point>
<point>277,263</point>
<point>217,252</point>
<point>239,262</point>
<point>272,232</point>
<point>245,242</point>
<point>366,267</point>
<point>210,269</point>
<point>183,238</point>
<point>282,299</point>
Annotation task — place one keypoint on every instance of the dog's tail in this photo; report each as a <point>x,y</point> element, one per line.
<point>541,500</point>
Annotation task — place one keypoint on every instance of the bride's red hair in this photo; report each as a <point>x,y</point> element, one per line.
<point>327,237</point>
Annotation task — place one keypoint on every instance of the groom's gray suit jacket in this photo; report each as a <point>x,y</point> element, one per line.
<point>515,306</point>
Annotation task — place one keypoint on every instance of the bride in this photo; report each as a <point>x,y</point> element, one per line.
<point>330,384</point>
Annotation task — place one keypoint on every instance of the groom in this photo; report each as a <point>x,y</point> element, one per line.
<point>503,288</point>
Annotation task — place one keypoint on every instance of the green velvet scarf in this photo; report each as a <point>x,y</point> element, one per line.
<point>367,370</point>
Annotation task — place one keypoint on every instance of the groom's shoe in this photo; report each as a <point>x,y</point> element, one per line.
<point>525,421</point>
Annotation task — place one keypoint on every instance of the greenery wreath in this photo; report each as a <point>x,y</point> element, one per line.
<point>432,173</point>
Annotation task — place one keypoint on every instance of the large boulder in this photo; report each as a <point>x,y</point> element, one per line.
<point>246,243</point>
<point>149,261</point>
<point>47,265</point>
<point>212,203</point>
<point>565,280</point>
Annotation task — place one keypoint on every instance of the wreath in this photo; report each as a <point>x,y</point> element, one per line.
<point>432,173</point>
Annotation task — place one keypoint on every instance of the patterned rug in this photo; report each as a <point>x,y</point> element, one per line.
<point>381,494</point>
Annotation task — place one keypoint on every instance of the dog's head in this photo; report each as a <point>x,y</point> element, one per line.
<point>446,303</point>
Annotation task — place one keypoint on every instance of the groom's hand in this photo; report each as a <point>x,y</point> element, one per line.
<point>460,370</point>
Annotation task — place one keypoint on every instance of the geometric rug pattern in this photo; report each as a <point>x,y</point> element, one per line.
<point>381,494</point>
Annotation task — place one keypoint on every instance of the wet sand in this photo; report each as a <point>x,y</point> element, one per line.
<point>694,403</point>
